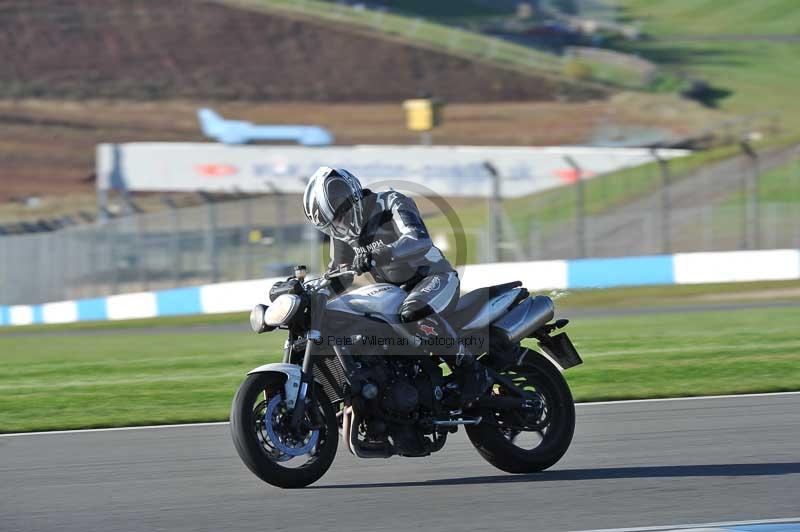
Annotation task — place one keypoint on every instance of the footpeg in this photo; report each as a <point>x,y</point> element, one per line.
<point>455,422</point>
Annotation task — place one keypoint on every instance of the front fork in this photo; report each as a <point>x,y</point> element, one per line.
<point>319,301</point>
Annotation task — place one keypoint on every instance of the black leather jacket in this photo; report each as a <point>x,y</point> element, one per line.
<point>396,235</point>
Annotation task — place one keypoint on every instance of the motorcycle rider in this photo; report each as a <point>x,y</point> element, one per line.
<point>382,233</point>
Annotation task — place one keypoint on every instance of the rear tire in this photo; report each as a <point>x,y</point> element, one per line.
<point>251,449</point>
<point>496,448</point>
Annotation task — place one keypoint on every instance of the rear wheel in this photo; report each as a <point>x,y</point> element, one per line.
<point>266,442</point>
<point>530,440</point>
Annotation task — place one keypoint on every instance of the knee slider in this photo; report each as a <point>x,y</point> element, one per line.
<point>406,314</point>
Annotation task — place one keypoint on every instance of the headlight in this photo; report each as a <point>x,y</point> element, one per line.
<point>282,310</point>
<point>257,319</point>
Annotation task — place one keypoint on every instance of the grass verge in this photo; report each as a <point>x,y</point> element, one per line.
<point>680,295</point>
<point>61,380</point>
<point>735,45</point>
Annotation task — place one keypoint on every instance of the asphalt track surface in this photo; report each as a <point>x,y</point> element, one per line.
<point>631,464</point>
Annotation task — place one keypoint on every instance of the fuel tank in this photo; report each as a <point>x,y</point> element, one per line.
<point>380,298</point>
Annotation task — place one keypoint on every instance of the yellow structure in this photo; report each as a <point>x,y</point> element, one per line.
<point>422,114</point>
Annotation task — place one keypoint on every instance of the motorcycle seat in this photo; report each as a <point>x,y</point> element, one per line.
<point>473,301</point>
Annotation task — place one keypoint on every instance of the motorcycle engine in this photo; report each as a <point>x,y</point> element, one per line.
<point>407,398</point>
<point>401,397</point>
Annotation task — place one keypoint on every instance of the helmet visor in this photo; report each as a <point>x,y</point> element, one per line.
<point>345,221</point>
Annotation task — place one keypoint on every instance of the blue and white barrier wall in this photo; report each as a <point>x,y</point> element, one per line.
<point>681,268</point>
<point>207,299</point>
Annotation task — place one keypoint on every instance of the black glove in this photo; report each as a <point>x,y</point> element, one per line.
<point>363,262</point>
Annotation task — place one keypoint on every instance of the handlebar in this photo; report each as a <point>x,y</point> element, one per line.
<point>325,280</point>
<point>333,275</point>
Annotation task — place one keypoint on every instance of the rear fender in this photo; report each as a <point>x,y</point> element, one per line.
<point>290,372</point>
<point>560,350</point>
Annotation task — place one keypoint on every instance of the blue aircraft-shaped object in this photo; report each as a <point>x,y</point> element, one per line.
<point>241,132</point>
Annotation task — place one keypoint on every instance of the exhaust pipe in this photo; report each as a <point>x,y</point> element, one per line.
<point>524,319</point>
<point>350,423</point>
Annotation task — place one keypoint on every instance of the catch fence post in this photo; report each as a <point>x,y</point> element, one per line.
<point>312,238</point>
<point>247,212</point>
<point>112,234</point>
<point>280,216</point>
<point>211,236</point>
<point>666,233</point>
<point>175,239</point>
<point>580,207</point>
<point>141,253</point>
<point>495,228</point>
<point>752,207</point>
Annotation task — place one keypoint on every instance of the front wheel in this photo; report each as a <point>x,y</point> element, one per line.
<point>265,441</point>
<point>526,441</point>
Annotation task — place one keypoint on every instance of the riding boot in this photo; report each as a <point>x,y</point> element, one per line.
<point>475,379</point>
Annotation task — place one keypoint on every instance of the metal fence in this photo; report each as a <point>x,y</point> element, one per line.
<point>740,202</point>
<point>218,241</point>
<point>693,229</point>
<point>214,242</point>
<point>747,200</point>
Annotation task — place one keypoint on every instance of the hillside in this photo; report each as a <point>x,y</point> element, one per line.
<point>748,51</point>
<point>76,73</point>
<point>152,49</point>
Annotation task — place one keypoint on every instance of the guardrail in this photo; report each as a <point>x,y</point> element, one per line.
<point>681,268</point>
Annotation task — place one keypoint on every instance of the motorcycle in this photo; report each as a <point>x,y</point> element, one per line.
<point>351,367</point>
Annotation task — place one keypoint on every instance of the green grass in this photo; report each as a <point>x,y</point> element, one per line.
<point>70,381</point>
<point>759,75</point>
<point>678,295</point>
<point>678,354</point>
<point>715,17</point>
<point>142,323</point>
<point>62,380</point>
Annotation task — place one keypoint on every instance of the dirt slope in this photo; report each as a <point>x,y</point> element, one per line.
<point>148,49</point>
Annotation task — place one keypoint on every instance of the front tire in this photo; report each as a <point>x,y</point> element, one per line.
<point>496,443</point>
<point>259,454</point>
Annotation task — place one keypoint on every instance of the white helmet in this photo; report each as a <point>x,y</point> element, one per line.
<point>332,202</point>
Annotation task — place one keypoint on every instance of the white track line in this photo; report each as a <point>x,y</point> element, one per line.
<point>698,525</point>
<point>220,423</point>
<point>116,429</point>
<point>696,398</point>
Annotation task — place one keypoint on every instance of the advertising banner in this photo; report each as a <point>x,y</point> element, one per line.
<point>446,170</point>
